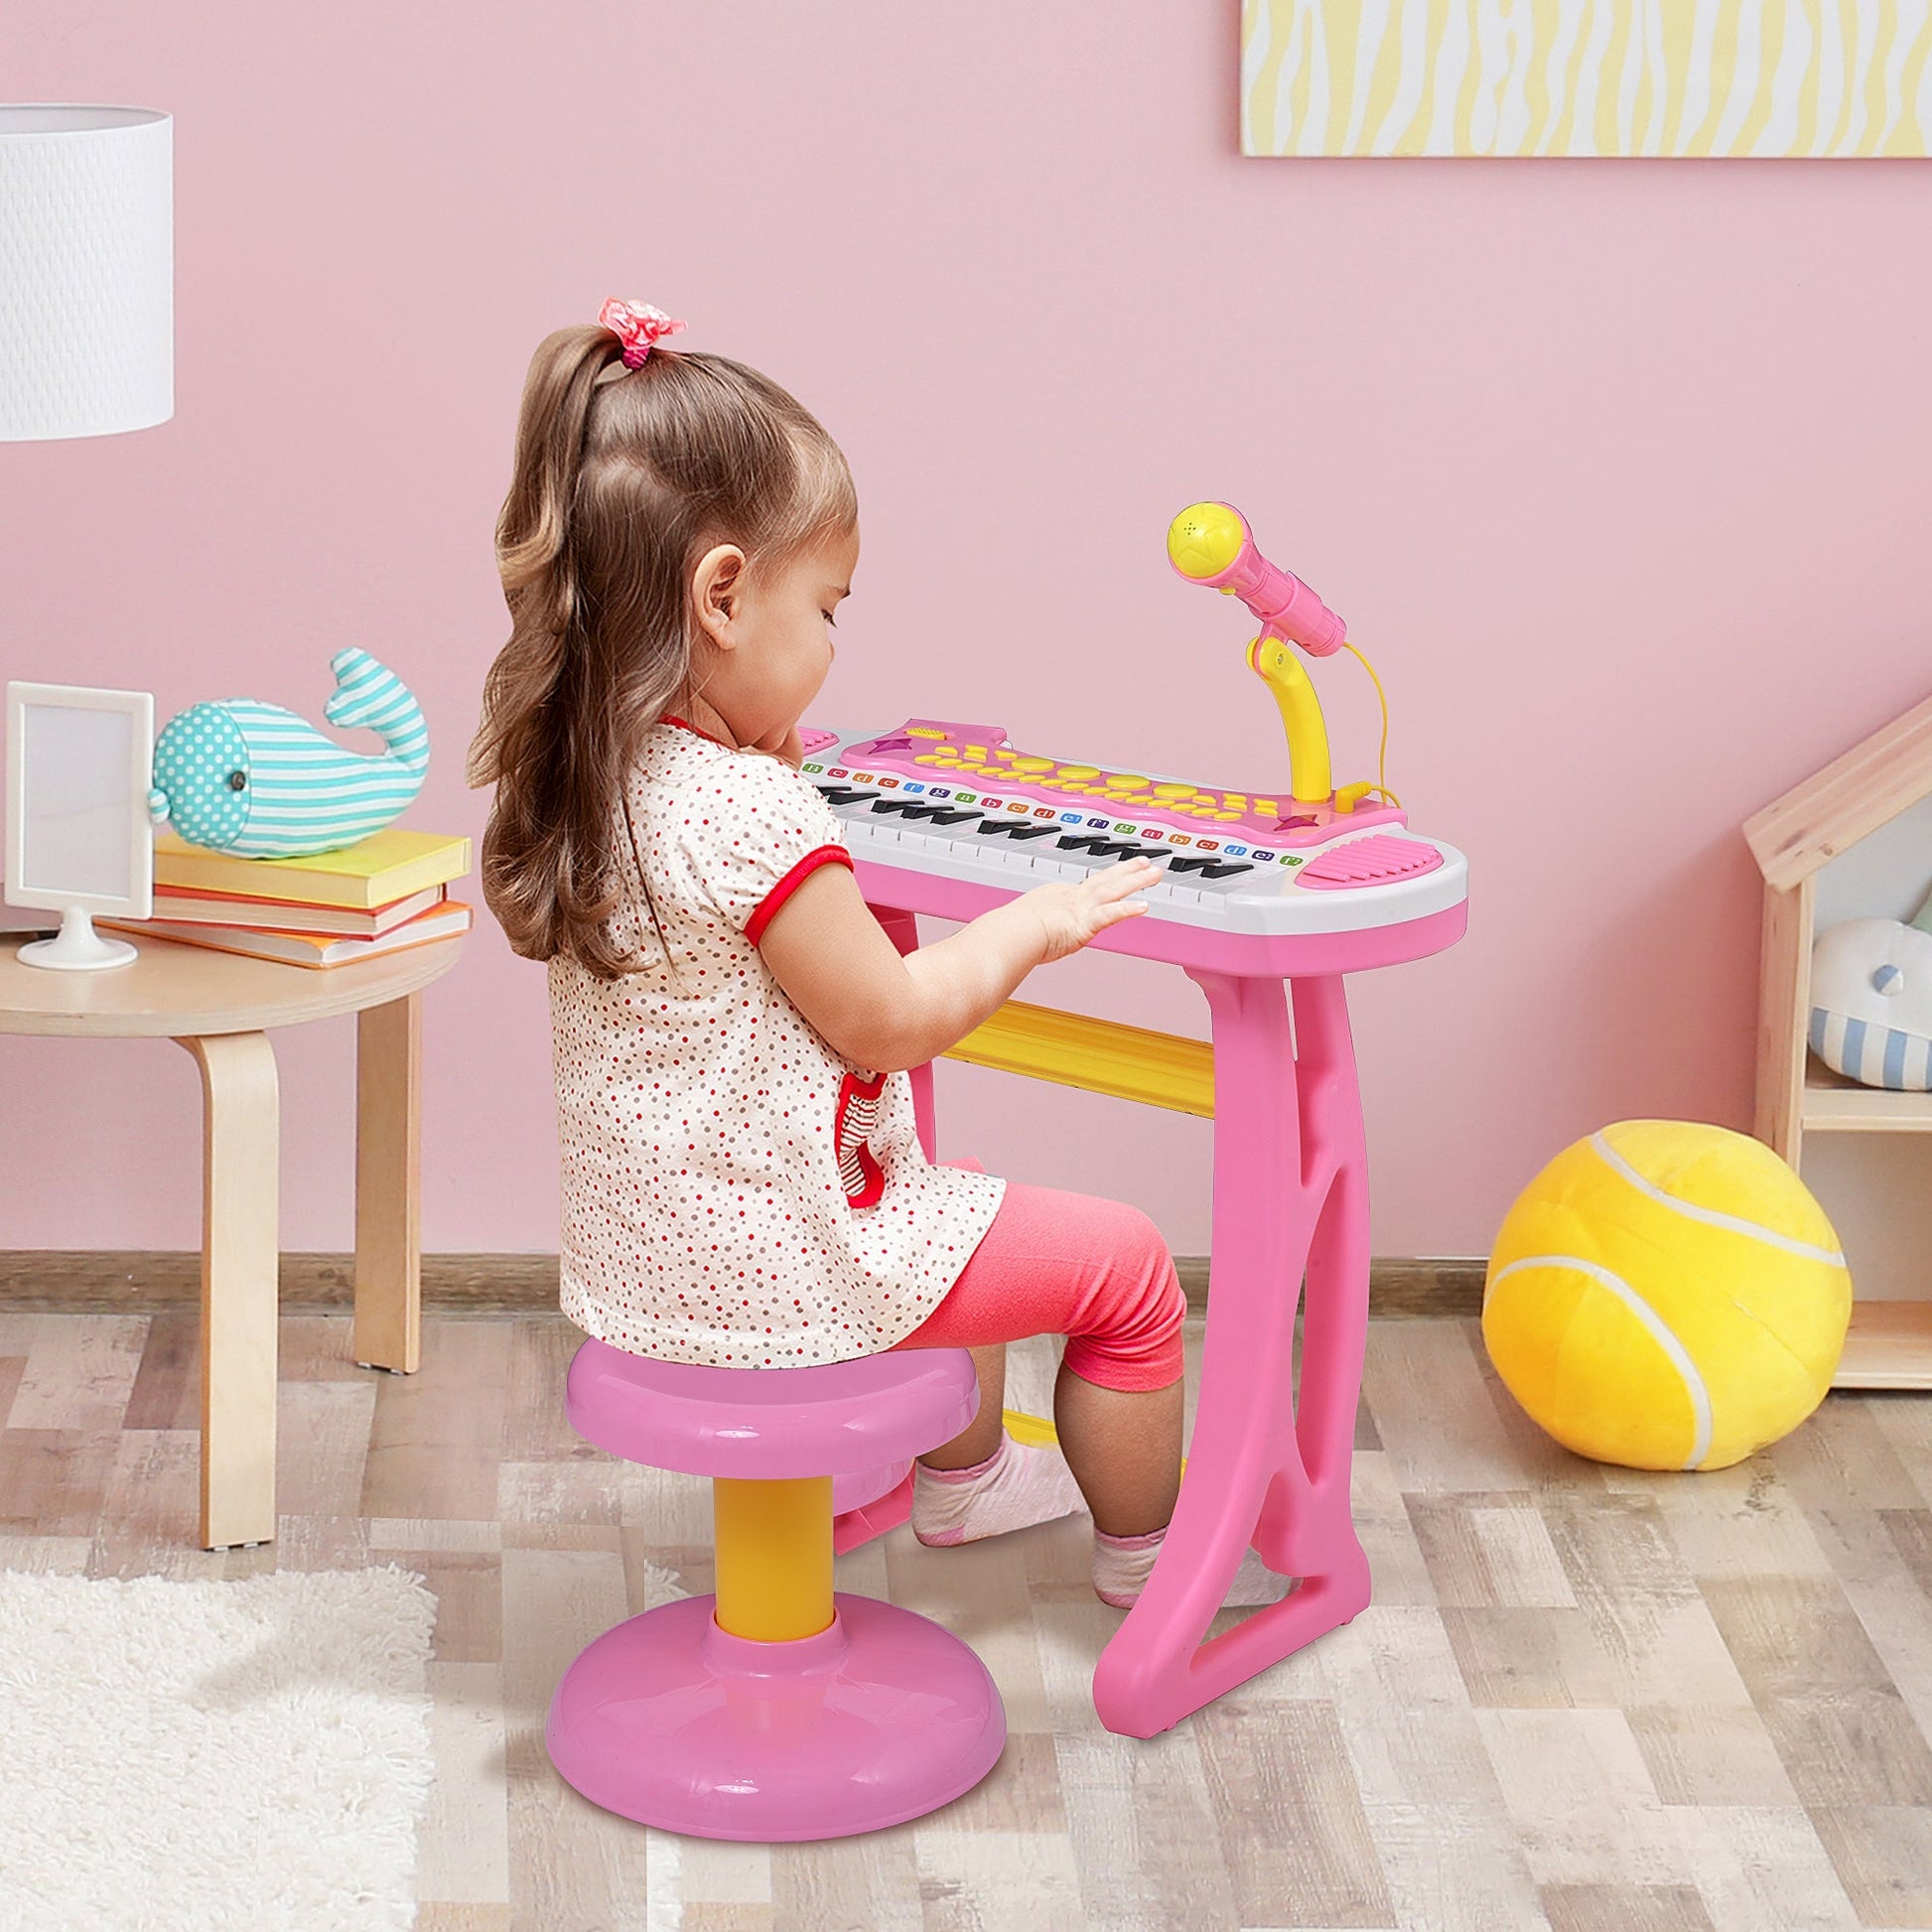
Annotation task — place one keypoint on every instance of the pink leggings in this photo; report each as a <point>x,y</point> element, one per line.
<point>1056,1263</point>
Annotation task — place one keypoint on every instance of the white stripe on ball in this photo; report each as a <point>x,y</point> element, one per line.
<point>1711,1216</point>
<point>1654,1325</point>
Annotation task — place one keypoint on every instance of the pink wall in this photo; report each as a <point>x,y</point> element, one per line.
<point>1617,469</point>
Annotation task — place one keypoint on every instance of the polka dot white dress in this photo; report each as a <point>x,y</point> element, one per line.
<point>734,1192</point>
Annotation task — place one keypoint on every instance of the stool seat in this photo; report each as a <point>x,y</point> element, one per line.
<point>841,1418</point>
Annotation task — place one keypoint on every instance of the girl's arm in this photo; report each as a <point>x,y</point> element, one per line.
<point>886,1011</point>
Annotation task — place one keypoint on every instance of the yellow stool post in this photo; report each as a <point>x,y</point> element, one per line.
<point>774,1557</point>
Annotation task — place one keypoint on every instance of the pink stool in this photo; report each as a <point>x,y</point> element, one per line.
<point>776,1710</point>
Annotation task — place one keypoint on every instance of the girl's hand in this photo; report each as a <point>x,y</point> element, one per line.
<point>1072,915</point>
<point>783,744</point>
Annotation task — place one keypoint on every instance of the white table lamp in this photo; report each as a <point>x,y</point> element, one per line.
<point>86,271</point>
<point>86,349</point>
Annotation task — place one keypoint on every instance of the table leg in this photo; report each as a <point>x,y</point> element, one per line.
<point>1290,1198</point>
<point>240,1265</point>
<point>389,1185</point>
<point>902,929</point>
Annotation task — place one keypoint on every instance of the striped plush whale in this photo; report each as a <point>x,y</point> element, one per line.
<point>255,780</point>
<point>1871,1003</point>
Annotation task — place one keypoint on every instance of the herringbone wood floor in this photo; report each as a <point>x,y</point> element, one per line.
<point>1584,1699</point>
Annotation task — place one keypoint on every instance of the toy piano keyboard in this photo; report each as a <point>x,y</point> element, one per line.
<point>959,801</point>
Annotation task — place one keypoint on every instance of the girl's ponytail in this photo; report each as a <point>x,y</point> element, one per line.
<point>534,528</point>
<point>532,532</point>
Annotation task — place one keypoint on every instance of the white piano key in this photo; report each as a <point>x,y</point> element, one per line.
<point>913,837</point>
<point>1018,861</point>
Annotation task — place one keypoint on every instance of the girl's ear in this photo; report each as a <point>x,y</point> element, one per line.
<point>716,588</point>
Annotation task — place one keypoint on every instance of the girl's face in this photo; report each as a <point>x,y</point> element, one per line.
<point>773,636</point>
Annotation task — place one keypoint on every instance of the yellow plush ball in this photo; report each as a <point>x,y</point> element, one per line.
<point>1667,1295</point>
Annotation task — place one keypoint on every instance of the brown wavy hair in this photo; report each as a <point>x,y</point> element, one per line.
<point>623,478</point>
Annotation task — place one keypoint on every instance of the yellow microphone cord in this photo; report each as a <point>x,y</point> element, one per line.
<point>1382,759</point>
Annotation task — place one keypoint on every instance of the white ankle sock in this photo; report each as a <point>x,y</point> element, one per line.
<point>1013,1488</point>
<point>1123,1564</point>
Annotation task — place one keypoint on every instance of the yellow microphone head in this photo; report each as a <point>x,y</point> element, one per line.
<point>1204,539</point>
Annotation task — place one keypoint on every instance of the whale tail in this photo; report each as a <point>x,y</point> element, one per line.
<point>369,692</point>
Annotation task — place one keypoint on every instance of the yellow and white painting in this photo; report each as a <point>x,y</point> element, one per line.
<point>1701,77</point>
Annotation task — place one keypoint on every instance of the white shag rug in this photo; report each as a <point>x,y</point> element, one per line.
<point>196,1757</point>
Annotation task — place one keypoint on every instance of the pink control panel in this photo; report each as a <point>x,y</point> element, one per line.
<point>991,772</point>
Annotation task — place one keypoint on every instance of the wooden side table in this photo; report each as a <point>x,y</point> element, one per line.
<point>221,1007</point>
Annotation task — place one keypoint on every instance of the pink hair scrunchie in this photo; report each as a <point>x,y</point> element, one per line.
<point>637,326</point>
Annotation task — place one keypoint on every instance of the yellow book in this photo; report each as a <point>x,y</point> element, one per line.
<point>385,865</point>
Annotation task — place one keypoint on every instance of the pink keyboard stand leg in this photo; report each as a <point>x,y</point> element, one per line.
<point>1291,1203</point>
<point>1290,1193</point>
<point>852,1527</point>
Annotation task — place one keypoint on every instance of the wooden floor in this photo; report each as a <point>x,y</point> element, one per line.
<point>1584,1699</point>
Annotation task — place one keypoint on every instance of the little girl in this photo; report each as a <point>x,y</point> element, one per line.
<point>742,1184</point>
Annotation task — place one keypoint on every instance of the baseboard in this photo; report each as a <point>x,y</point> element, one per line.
<point>80,1281</point>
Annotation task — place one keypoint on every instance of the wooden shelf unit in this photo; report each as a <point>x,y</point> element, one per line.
<point>1835,1105</point>
<point>1889,1346</point>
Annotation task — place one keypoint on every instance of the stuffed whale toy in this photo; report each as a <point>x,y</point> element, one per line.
<point>1871,1002</point>
<point>252,779</point>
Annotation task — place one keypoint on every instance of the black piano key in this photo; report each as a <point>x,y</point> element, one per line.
<point>1089,844</point>
<point>1035,831</point>
<point>889,804</point>
<point>1228,870</point>
<point>915,811</point>
<point>1178,864</point>
<point>996,825</point>
<point>958,816</point>
<point>843,794</point>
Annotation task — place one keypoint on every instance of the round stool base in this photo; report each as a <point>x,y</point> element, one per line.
<point>880,1717</point>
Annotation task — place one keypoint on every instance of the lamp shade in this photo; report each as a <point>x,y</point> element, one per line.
<point>86,271</point>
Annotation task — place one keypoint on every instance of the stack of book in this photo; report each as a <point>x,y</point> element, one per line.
<point>377,896</point>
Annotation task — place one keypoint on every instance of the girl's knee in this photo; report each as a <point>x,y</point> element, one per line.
<point>1132,1338</point>
<point>1151,1265</point>
<point>1133,1241</point>
<point>1158,1311</point>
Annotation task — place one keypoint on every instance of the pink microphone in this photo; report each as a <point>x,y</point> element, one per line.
<point>1211,544</point>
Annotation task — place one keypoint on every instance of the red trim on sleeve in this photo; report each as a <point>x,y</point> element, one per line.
<point>684,724</point>
<point>762,912</point>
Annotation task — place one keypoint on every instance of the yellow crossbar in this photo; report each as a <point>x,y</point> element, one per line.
<point>1099,1055</point>
<point>1036,1432</point>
